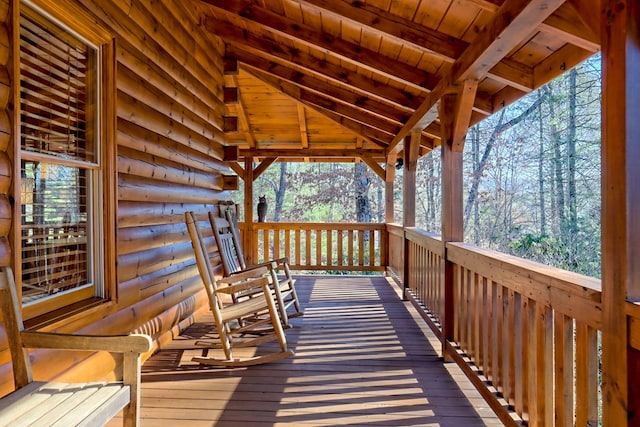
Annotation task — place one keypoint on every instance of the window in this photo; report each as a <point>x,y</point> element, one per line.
<point>61,178</point>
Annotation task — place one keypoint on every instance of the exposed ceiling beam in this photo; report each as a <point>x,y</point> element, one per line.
<point>302,119</point>
<point>313,152</point>
<point>370,134</point>
<point>253,14</point>
<point>403,30</point>
<point>424,39</point>
<point>583,32</point>
<point>274,51</point>
<point>385,111</point>
<point>245,125</point>
<point>323,103</point>
<point>513,21</point>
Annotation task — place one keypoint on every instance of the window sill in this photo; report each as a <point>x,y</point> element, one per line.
<point>57,320</point>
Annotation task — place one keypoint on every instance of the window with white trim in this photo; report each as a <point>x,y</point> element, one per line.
<point>60,178</point>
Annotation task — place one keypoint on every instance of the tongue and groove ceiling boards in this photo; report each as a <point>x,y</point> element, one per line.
<point>324,78</point>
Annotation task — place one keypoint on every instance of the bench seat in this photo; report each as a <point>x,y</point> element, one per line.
<point>63,404</point>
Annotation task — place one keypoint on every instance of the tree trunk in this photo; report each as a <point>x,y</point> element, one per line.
<point>543,216</point>
<point>477,173</point>
<point>363,206</point>
<point>572,226</point>
<point>280,192</point>
<point>475,146</point>
<point>557,164</point>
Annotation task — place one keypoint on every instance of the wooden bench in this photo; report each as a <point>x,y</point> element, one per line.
<point>66,404</point>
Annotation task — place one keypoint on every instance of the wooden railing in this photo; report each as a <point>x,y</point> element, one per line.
<point>526,334</point>
<point>323,246</point>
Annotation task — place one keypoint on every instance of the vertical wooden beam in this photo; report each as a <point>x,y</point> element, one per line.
<point>620,205</point>
<point>410,162</point>
<point>248,211</point>
<point>452,213</point>
<point>389,178</point>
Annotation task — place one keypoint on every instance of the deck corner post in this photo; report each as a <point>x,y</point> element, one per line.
<point>410,160</point>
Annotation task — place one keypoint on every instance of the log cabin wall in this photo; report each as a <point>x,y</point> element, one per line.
<point>168,116</point>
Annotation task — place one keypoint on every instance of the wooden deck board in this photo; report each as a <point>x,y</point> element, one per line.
<point>363,357</point>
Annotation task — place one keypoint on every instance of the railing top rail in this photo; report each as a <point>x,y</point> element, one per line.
<point>572,294</point>
<point>318,225</point>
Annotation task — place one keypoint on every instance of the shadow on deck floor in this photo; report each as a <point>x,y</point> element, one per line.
<point>363,358</point>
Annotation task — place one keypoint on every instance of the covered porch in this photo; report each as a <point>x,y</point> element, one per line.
<point>187,99</point>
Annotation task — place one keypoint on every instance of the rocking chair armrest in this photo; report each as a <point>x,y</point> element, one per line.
<point>249,273</point>
<point>248,284</point>
<point>136,343</point>
<point>273,263</point>
<point>269,264</point>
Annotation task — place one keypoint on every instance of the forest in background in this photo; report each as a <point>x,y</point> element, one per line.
<point>531,180</point>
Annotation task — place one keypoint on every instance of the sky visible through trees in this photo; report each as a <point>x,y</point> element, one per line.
<point>531,180</point>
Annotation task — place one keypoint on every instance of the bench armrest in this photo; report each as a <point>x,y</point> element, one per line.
<point>136,343</point>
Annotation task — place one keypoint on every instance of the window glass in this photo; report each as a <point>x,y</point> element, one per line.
<point>59,162</point>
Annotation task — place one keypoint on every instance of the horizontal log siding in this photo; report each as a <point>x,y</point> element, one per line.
<point>170,160</point>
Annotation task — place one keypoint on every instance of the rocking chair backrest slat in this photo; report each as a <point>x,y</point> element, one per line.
<point>232,261</point>
<point>232,218</point>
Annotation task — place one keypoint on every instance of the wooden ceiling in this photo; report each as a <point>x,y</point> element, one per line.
<point>322,79</point>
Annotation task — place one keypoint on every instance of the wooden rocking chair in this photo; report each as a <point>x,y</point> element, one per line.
<point>228,315</point>
<point>227,236</point>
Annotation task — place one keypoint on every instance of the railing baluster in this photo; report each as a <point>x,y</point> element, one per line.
<point>340,248</point>
<point>276,243</point>
<point>350,246</point>
<point>287,245</point>
<point>563,339</point>
<point>519,380</point>
<point>586,375</point>
<point>329,253</point>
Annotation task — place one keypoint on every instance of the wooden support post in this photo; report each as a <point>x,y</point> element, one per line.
<point>620,207</point>
<point>389,178</point>
<point>411,151</point>
<point>452,213</point>
<point>248,211</point>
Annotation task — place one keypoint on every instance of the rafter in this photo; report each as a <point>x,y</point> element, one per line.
<point>271,50</point>
<point>370,134</point>
<point>424,39</point>
<point>302,119</point>
<point>331,108</point>
<point>514,20</point>
<point>583,32</point>
<point>252,14</point>
<point>338,94</point>
<point>245,125</point>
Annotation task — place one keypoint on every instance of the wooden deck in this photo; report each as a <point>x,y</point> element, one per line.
<point>363,357</point>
